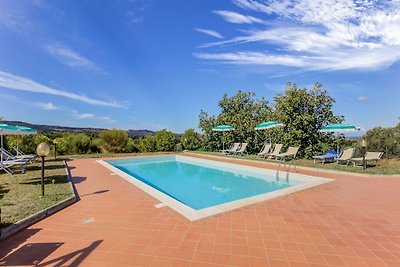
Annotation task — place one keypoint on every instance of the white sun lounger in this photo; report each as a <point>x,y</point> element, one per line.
<point>233,149</point>
<point>264,151</point>
<point>289,154</point>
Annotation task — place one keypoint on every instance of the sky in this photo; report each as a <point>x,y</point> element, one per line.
<point>146,64</point>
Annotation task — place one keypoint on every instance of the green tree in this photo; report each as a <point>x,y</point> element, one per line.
<point>304,112</point>
<point>79,143</point>
<point>147,144</point>
<point>62,145</point>
<point>96,145</point>
<point>132,146</point>
<point>114,140</point>
<point>384,140</point>
<point>191,140</point>
<point>242,111</point>
<point>165,140</point>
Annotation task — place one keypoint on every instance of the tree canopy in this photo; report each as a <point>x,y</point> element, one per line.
<point>302,111</point>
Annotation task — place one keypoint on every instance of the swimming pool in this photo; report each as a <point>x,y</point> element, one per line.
<point>198,188</point>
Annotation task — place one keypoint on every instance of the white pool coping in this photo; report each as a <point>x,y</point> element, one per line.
<point>192,214</point>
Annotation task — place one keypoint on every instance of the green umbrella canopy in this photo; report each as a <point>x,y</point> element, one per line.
<point>269,124</point>
<point>339,128</point>
<point>25,130</point>
<point>8,129</point>
<point>223,128</point>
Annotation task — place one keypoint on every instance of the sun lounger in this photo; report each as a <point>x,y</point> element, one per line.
<point>264,151</point>
<point>233,149</point>
<point>369,156</point>
<point>289,154</point>
<point>276,151</point>
<point>241,150</point>
<point>7,164</point>
<point>20,153</point>
<point>8,156</point>
<point>346,156</point>
<point>330,155</point>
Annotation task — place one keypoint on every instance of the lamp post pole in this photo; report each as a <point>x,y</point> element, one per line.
<point>42,176</point>
<point>364,146</point>
<point>43,150</point>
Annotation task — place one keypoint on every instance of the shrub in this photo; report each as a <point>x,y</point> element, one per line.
<point>147,144</point>
<point>165,140</point>
<point>79,143</point>
<point>62,145</point>
<point>114,140</point>
<point>96,145</point>
<point>191,140</point>
<point>132,146</point>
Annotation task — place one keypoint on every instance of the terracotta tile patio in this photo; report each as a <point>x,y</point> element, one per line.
<point>353,221</point>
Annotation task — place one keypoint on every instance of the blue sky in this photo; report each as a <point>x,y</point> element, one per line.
<point>136,64</point>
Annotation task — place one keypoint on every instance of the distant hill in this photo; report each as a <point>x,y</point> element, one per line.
<point>44,128</point>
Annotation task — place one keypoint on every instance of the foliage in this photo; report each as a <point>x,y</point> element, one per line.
<point>114,140</point>
<point>79,143</point>
<point>26,143</point>
<point>241,111</point>
<point>62,145</point>
<point>384,140</point>
<point>191,140</point>
<point>96,145</point>
<point>302,111</point>
<point>132,146</point>
<point>165,140</point>
<point>147,144</point>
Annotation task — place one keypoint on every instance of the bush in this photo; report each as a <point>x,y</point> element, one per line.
<point>191,140</point>
<point>96,145</point>
<point>147,144</point>
<point>384,140</point>
<point>132,146</point>
<point>79,143</point>
<point>62,145</point>
<point>165,140</point>
<point>114,140</point>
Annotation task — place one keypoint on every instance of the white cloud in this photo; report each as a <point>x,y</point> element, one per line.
<point>209,32</point>
<point>71,58</point>
<point>316,35</point>
<point>14,82</point>
<point>82,116</point>
<point>362,98</point>
<point>237,18</point>
<point>46,106</point>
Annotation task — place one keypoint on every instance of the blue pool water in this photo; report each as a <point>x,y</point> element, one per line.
<point>199,183</point>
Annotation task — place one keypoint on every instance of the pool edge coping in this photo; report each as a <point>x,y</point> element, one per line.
<point>305,168</point>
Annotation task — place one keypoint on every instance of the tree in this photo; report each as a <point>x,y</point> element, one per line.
<point>304,113</point>
<point>165,140</point>
<point>243,112</point>
<point>191,140</point>
<point>147,144</point>
<point>79,143</point>
<point>114,140</point>
<point>62,145</point>
<point>385,140</point>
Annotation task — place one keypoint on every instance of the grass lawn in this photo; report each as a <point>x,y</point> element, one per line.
<point>20,193</point>
<point>385,166</point>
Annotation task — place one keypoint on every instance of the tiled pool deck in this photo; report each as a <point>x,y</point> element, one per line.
<point>352,221</point>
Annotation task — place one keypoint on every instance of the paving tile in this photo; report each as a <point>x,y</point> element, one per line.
<point>347,222</point>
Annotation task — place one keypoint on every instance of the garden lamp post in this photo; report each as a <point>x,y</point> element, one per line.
<point>43,150</point>
<point>363,148</point>
<point>55,148</point>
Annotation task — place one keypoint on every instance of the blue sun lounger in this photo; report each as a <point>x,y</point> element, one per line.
<point>330,155</point>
